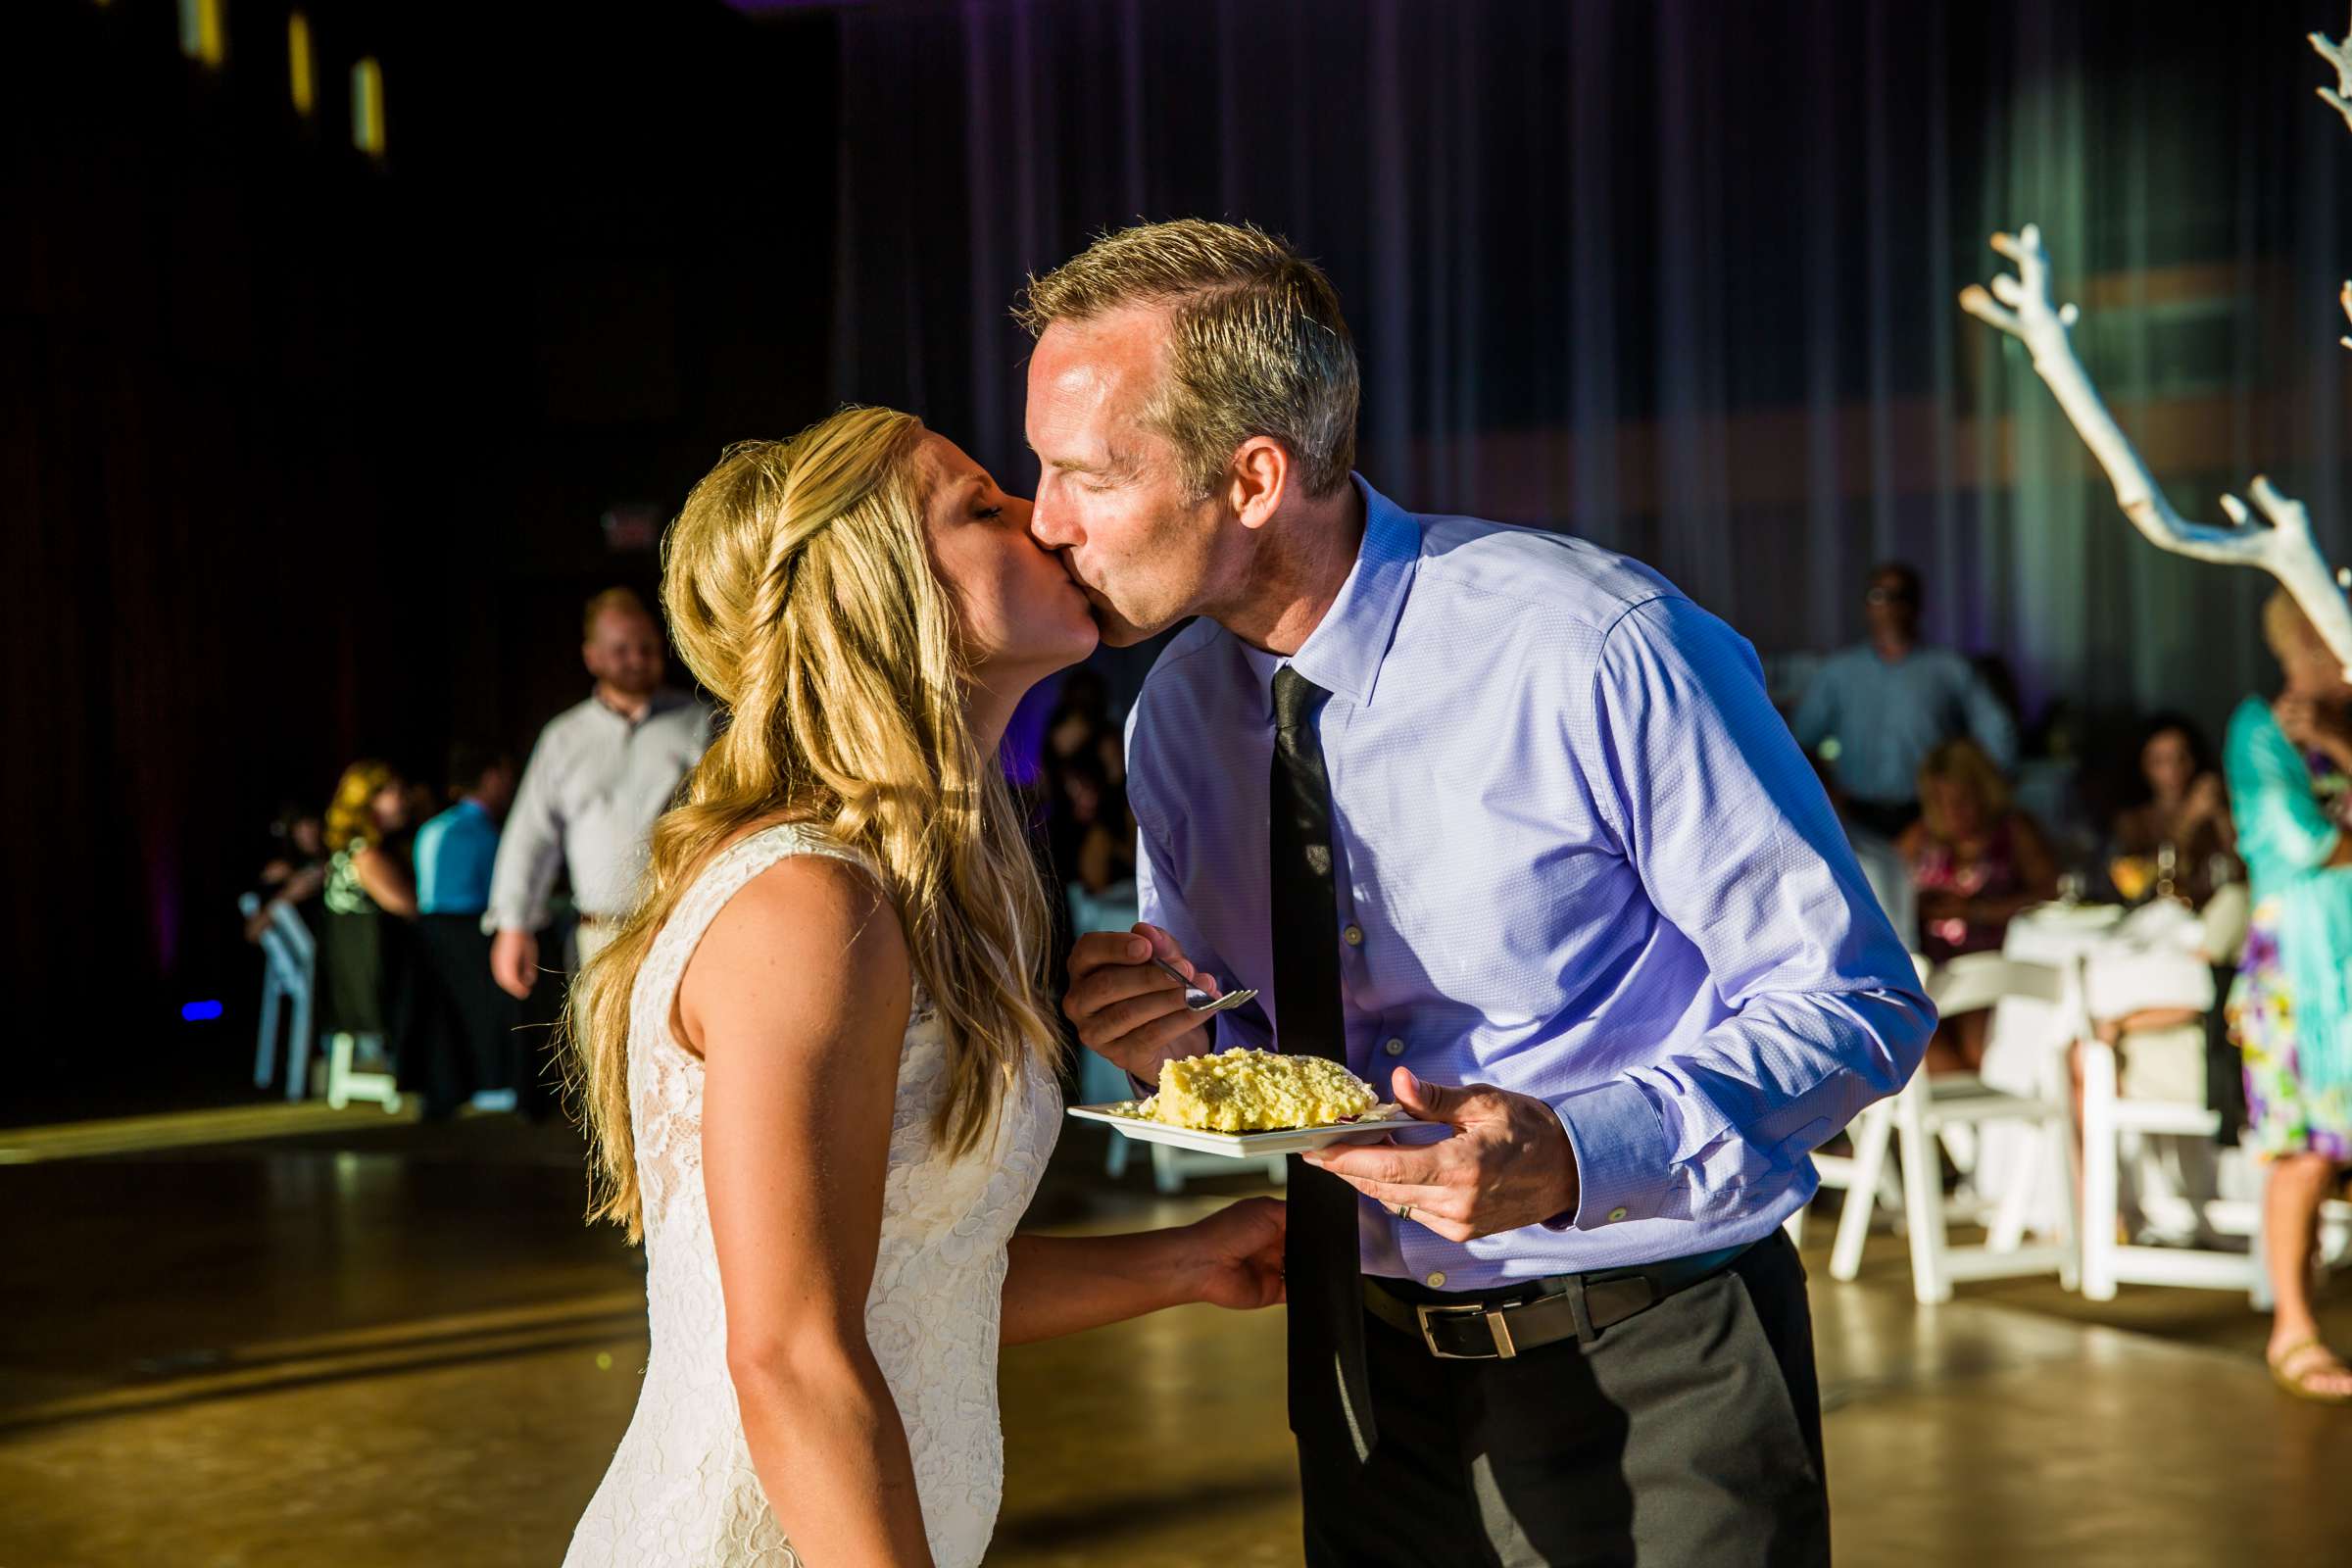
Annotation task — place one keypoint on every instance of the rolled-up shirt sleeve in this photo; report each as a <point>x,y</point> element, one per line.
<point>1737,849</point>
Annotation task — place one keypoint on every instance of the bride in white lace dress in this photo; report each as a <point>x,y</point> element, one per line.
<point>815,1062</point>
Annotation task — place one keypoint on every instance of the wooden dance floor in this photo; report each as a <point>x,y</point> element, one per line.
<point>379,1346</point>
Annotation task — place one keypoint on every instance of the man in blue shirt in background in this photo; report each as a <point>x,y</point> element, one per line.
<point>456,849</point>
<point>1890,701</point>
<point>468,1036</point>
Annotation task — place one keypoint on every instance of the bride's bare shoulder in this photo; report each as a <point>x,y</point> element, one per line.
<point>809,943</point>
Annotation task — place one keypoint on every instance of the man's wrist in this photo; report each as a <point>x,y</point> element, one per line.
<point>1200,1044</point>
<point>1150,1085</point>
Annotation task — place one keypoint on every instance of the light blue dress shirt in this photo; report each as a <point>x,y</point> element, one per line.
<point>455,852</point>
<point>1887,716</point>
<point>1577,857</point>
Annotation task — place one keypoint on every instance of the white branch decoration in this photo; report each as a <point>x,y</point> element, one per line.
<point>2021,305</point>
<point>2338,55</point>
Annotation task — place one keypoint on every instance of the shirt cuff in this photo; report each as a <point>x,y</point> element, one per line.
<point>496,920</point>
<point>1621,1156</point>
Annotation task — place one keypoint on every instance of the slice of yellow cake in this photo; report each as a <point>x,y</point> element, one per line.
<point>1243,1091</point>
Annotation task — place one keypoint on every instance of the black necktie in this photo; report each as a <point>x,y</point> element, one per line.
<point>1329,1392</point>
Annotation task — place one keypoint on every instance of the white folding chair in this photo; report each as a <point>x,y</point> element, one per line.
<point>1932,1106</point>
<point>2112,1124</point>
<point>345,1084</point>
<point>289,956</point>
<point>1838,1171</point>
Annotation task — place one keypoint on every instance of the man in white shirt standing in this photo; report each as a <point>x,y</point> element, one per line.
<point>603,771</point>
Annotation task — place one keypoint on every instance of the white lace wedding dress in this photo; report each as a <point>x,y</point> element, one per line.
<point>681,1490</point>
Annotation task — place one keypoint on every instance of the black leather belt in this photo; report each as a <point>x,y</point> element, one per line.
<point>1564,1306</point>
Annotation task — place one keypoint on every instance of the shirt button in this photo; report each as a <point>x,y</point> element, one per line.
<point>1394,1047</point>
<point>1616,1214</point>
<point>1437,1281</point>
<point>1354,936</point>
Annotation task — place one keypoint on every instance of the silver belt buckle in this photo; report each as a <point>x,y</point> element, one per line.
<point>1503,1350</point>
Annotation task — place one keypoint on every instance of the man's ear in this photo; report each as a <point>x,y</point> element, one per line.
<point>1258,481</point>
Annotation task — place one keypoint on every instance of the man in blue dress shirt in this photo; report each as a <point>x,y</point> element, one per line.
<point>1509,826</point>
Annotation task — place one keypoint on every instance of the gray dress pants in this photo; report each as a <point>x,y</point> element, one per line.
<point>1687,1436</point>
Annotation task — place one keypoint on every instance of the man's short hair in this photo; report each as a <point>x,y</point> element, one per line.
<point>624,599</point>
<point>1258,345</point>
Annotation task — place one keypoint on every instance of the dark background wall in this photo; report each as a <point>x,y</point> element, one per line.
<point>1681,274</point>
<point>303,453</point>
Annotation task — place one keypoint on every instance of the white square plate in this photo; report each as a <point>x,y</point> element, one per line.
<point>1382,1120</point>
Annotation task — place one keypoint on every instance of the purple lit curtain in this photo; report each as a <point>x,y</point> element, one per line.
<point>1679,275</point>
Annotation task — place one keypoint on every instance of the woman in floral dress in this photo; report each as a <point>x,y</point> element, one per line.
<point>2290,762</point>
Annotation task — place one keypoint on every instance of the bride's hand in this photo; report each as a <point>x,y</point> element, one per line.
<point>1236,1254</point>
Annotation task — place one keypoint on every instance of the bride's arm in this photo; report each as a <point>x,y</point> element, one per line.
<point>1061,1284</point>
<point>786,1000</point>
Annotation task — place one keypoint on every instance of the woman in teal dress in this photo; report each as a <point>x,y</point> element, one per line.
<point>2290,1012</point>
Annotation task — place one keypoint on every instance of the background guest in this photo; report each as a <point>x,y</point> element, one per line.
<point>1976,860</point>
<point>2287,763</point>
<point>2175,839</point>
<point>1092,833</point>
<point>2182,807</point>
<point>466,1024</point>
<point>602,772</point>
<point>1887,702</point>
<point>457,850</point>
<point>1081,727</point>
<point>368,897</point>
<point>295,872</point>
<point>297,844</point>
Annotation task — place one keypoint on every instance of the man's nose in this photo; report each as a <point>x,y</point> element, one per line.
<point>1046,524</point>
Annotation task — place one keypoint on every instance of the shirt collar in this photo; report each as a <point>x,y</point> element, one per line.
<point>665,699</point>
<point>1343,653</point>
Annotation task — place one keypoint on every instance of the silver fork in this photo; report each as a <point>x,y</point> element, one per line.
<point>1199,1000</point>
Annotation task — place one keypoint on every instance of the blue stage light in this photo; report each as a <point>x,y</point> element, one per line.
<point>199,1011</point>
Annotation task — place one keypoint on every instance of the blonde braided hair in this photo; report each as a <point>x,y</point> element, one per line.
<point>799,589</point>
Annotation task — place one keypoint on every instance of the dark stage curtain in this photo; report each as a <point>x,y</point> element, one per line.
<point>202,538</point>
<point>303,454</point>
<point>1681,275</point>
